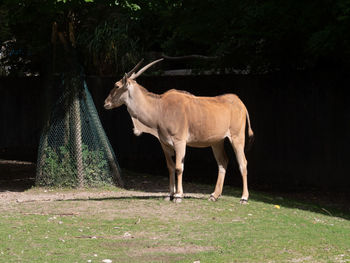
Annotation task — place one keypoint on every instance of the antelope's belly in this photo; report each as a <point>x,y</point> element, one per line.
<point>206,139</point>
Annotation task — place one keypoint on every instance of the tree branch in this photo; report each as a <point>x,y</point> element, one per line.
<point>191,57</point>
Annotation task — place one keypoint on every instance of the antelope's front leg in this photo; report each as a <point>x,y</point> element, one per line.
<point>169,152</point>
<point>222,161</point>
<point>180,150</point>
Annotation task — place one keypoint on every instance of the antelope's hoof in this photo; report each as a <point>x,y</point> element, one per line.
<point>169,198</point>
<point>212,198</point>
<point>177,200</point>
<point>243,201</point>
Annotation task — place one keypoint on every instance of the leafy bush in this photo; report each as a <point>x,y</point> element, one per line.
<point>60,169</point>
<point>96,171</point>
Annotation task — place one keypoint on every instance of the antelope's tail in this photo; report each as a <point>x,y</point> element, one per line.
<point>250,133</point>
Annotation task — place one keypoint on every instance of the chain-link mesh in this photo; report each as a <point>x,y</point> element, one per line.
<point>74,150</point>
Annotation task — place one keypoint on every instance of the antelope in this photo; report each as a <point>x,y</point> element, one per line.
<point>178,118</point>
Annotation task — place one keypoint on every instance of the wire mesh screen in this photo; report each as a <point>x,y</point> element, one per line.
<point>74,150</point>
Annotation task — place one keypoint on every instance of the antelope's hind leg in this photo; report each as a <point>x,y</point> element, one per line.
<point>222,161</point>
<point>238,147</point>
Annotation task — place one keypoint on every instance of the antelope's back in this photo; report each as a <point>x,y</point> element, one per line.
<point>204,119</point>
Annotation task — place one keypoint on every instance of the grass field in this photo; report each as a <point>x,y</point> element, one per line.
<point>137,225</point>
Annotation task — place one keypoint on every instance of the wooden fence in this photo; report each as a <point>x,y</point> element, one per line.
<point>300,120</point>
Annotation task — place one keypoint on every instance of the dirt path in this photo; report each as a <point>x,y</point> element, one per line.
<point>17,180</point>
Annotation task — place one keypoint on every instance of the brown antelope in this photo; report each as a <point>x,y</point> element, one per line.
<point>178,118</point>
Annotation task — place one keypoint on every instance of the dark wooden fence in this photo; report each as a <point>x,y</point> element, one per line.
<point>301,124</point>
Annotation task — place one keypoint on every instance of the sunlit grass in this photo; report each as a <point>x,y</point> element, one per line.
<point>131,229</point>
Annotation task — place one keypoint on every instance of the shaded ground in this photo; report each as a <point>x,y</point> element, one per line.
<point>16,177</point>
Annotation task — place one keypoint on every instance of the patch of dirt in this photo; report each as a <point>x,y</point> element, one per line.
<point>167,258</point>
<point>17,178</point>
<point>302,259</point>
<point>188,249</point>
<point>80,195</point>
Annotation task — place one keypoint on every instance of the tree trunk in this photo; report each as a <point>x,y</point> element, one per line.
<point>77,141</point>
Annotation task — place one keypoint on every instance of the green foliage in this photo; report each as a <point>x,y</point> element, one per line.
<point>113,35</point>
<point>108,44</point>
<point>59,171</point>
<point>59,168</point>
<point>4,25</point>
<point>96,170</point>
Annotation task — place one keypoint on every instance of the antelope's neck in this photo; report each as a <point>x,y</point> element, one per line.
<point>143,106</point>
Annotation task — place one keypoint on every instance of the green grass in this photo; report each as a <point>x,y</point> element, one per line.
<point>141,229</point>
